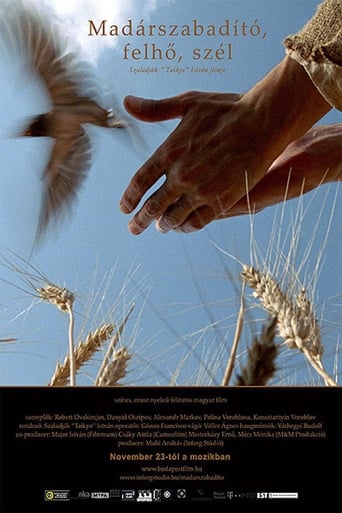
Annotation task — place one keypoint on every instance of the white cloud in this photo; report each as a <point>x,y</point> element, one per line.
<point>73,16</point>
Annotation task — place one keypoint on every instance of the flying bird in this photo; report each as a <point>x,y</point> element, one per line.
<point>75,101</point>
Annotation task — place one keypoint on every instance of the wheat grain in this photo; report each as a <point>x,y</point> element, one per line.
<point>261,357</point>
<point>83,353</point>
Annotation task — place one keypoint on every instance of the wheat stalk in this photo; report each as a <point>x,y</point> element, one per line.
<point>237,336</point>
<point>84,351</point>
<point>296,321</point>
<point>260,366</point>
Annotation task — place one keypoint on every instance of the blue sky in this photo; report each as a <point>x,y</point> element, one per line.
<point>185,290</point>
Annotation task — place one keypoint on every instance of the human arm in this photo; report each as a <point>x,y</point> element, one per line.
<point>308,162</point>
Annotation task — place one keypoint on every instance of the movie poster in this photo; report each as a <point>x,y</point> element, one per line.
<point>167,343</point>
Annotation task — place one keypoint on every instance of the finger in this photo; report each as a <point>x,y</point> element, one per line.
<point>175,215</point>
<point>154,110</point>
<point>197,220</point>
<point>144,178</point>
<point>153,208</point>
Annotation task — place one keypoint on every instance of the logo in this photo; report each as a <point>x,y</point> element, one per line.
<point>167,494</point>
<point>128,495</point>
<point>219,495</point>
<point>202,495</point>
<point>49,495</point>
<point>84,495</point>
<point>57,495</point>
<point>157,495</point>
<point>115,494</point>
<point>100,495</point>
<point>144,496</point>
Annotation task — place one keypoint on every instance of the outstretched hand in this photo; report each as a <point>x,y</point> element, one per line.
<point>192,158</point>
<point>222,147</point>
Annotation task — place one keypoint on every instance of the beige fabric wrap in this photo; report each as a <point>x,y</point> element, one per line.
<point>318,47</point>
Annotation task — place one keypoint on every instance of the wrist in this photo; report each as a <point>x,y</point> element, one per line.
<point>285,104</point>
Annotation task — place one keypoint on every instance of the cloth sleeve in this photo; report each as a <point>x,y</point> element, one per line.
<point>318,48</point>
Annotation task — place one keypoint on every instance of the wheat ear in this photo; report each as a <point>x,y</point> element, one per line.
<point>115,369</point>
<point>260,366</point>
<point>296,321</point>
<point>84,351</point>
<point>111,355</point>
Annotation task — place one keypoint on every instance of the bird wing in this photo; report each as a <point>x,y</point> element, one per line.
<point>33,36</point>
<point>34,39</point>
<point>66,171</point>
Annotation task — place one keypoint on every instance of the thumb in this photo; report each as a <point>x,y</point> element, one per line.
<point>154,110</point>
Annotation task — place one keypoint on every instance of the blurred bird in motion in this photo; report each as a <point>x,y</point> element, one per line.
<point>74,102</point>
